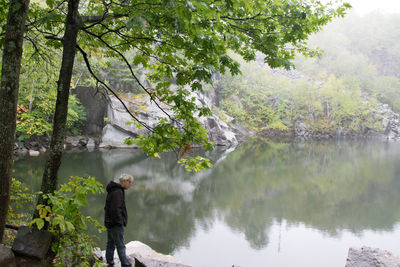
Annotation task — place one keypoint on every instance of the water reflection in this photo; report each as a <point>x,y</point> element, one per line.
<point>327,186</point>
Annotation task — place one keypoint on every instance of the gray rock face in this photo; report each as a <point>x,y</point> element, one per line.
<point>34,244</point>
<point>7,258</point>
<point>148,112</point>
<point>390,122</point>
<point>95,104</point>
<point>371,257</point>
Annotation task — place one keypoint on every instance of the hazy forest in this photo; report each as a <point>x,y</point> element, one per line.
<point>358,67</point>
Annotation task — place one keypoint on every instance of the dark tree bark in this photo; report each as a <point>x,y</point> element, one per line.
<point>11,65</point>
<point>50,180</point>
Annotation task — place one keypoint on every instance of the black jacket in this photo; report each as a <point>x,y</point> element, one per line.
<point>115,209</point>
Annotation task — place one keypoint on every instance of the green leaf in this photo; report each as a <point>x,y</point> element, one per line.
<point>39,223</point>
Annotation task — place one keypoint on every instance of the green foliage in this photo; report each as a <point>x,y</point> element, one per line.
<point>65,220</point>
<point>4,6</point>
<point>19,197</point>
<point>36,100</point>
<point>76,116</point>
<point>38,120</point>
<point>195,164</point>
<point>18,215</point>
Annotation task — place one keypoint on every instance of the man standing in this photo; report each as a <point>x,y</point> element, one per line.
<point>116,218</point>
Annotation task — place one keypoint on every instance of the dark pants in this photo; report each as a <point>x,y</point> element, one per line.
<point>115,239</point>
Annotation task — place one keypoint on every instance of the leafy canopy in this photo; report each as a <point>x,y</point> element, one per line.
<point>182,43</point>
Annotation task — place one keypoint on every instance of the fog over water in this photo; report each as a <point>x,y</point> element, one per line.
<point>367,6</point>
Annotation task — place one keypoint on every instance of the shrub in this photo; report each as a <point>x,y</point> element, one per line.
<point>65,220</point>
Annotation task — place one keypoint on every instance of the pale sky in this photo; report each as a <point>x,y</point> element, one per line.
<point>367,6</point>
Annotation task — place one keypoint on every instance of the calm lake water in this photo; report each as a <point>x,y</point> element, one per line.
<point>263,203</point>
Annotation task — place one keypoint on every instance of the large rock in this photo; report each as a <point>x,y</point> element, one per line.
<point>371,257</point>
<point>147,111</point>
<point>114,136</point>
<point>7,258</point>
<point>140,254</point>
<point>32,243</point>
<point>76,141</point>
<point>148,257</point>
<point>95,103</point>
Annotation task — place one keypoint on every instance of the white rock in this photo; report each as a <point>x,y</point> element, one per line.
<point>113,137</point>
<point>146,255</point>
<point>33,153</point>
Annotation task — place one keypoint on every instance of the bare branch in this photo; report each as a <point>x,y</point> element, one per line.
<point>241,19</point>
<point>152,96</point>
<point>84,55</point>
<point>98,19</point>
<point>54,37</point>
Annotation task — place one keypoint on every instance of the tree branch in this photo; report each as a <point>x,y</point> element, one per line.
<point>132,73</point>
<point>99,18</point>
<point>84,55</point>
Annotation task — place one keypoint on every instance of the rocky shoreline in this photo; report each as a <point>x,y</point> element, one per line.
<point>39,145</point>
<point>324,135</point>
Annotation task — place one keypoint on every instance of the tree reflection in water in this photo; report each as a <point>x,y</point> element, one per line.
<point>328,185</point>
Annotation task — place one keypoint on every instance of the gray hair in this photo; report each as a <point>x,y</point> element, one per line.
<point>125,177</point>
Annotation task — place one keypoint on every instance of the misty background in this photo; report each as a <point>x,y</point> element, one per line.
<point>351,87</point>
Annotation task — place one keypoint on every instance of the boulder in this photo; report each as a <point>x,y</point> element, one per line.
<point>33,153</point>
<point>113,136</point>
<point>7,258</point>
<point>138,251</point>
<point>32,243</point>
<point>95,103</point>
<point>20,148</point>
<point>371,257</point>
<point>76,141</point>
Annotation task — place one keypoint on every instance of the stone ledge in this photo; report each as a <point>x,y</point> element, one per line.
<point>143,255</point>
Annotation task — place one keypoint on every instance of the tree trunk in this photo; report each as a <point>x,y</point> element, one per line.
<point>49,181</point>
<point>11,65</point>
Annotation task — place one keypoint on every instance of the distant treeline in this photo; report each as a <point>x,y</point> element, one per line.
<point>359,67</point>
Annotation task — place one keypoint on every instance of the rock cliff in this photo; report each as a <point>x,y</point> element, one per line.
<point>147,111</point>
